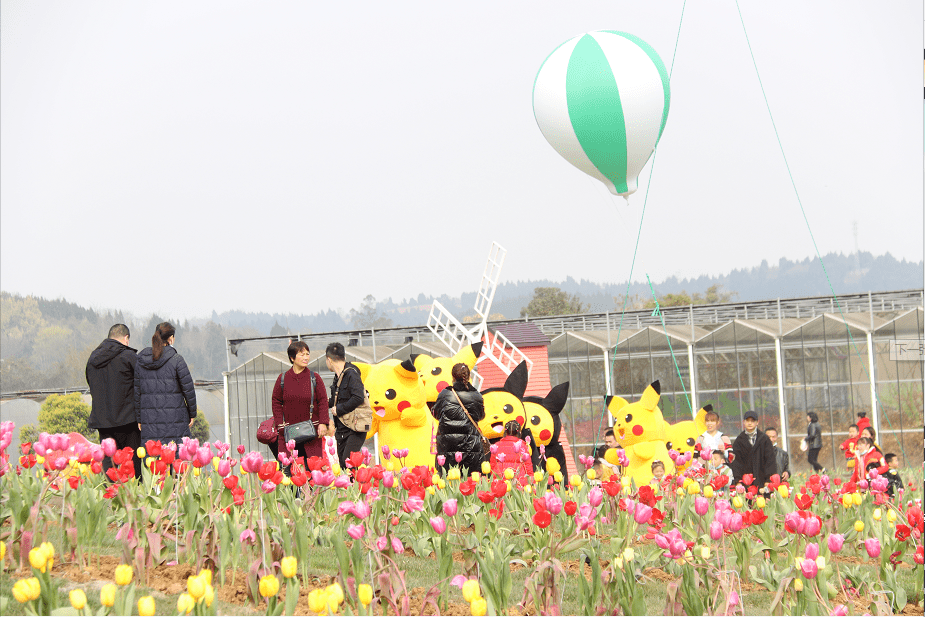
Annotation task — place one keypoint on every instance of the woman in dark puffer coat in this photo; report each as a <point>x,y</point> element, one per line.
<point>165,400</point>
<point>456,433</point>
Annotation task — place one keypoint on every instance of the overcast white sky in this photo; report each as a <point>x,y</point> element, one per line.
<point>181,157</point>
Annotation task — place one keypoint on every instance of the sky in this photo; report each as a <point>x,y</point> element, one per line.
<point>291,157</point>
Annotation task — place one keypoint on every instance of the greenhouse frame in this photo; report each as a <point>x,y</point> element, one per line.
<point>780,358</point>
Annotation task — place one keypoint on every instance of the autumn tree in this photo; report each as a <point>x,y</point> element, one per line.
<point>549,301</point>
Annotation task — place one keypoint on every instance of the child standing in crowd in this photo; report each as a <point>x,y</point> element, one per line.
<point>513,453</point>
<point>849,445</point>
<point>892,474</point>
<point>658,472</point>
<point>718,467</point>
<point>713,439</point>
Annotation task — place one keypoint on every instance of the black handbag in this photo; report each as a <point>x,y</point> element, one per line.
<point>301,432</point>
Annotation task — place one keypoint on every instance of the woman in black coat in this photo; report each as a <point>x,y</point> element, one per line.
<point>456,433</point>
<point>165,400</point>
<point>813,441</point>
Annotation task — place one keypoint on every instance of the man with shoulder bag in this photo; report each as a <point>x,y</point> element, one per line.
<point>352,414</point>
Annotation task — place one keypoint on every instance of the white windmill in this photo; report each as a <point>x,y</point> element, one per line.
<point>454,334</point>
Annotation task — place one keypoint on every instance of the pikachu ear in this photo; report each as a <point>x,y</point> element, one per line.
<point>650,397</point>
<point>615,404</point>
<point>364,370</point>
<point>406,370</point>
<point>468,355</point>
<point>555,400</point>
<point>701,419</point>
<point>516,382</point>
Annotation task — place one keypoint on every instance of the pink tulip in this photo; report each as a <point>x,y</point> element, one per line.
<point>356,531</point>
<point>812,550</point>
<point>643,514</point>
<point>397,545</point>
<point>441,460</point>
<point>284,459</point>
<point>346,507</point>
<point>662,541</point>
<point>595,496</point>
<point>839,610</point>
<point>252,462</point>
<point>438,523</point>
<point>361,510</point>
<point>716,531</point>
<point>809,568</point>
<point>701,506</point>
<point>203,456</point>
<point>60,463</point>
<point>500,457</point>
<point>224,467</point>
<point>873,547</point>
<point>673,454</point>
<point>382,543</point>
<point>879,485</point>
<point>290,445</point>
<point>732,599</point>
<point>494,448</point>
<point>736,523</point>
<point>458,581</point>
<point>414,504</point>
<point>268,486</point>
<point>458,456</point>
<point>836,540</point>
<point>109,446</point>
<point>247,537</point>
<point>450,507</point>
<point>388,479</point>
<point>705,454</point>
<point>241,449</point>
<point>96,453</point>
<point>385,452</point>
<point>873,473</point>
<point>553,503</point>
<point>864,485</point>
<point>812,528</point>
<point>342,481</point>
<point>323,478</point>
<point>740,489</point>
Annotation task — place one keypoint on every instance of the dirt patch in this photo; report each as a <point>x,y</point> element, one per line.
<point>659,575</point>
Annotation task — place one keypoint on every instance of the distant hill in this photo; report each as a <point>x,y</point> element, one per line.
<point>855,273</point>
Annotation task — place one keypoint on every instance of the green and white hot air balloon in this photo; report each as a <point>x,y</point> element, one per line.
<point>601,100</point>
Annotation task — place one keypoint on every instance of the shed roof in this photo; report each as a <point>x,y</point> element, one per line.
<point>524,334</point>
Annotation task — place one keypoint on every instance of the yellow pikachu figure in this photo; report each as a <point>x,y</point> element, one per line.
<point>400,414</point>
<point>640,428</point>
<point>682,436</point>
<point>505,404</point>
<point>436,372</point>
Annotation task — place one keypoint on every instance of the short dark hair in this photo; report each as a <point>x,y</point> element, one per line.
<point>722,454</point>
<point>772,428</point>
<point>813,417</point>
<point>854,426</point>
<point>294,348</point>
<point>511,428</point>
<point>608,433</point>
<point>335,351</point>
<point>888,458</point>
<point>657,464</point>
<point>460,373</point>
<point>118,331</point>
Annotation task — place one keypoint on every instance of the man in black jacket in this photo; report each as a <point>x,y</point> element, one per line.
<point>780,455</point>
<point>754,453</point>
<point>347,393</point>
<point>111,377</point>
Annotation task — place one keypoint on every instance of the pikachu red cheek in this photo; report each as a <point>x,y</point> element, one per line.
<point>544,435</point>
<point>403,406</point>
<point>638,430</point>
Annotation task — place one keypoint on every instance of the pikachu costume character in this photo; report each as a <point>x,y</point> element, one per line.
<point>436,372</point>
<point>545,425</point>
<point>640,428</point>
<point>400,413</point>
<point>505,404</point>
<point>682,436</point>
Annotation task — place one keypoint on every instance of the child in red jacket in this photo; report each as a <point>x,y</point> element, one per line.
<point>850,445</point>
<point>512,452</point>
<point>867,457</point>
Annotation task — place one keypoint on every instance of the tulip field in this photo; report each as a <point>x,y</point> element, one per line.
<point>213,529</point>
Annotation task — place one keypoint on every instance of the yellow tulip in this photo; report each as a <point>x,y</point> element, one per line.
<point>21,591</point>
<point>820,562</point>
<point>847,501</point>
<point>317,603</point>
<point>209,596</point>
<point>196,471</point>
<point>49,549</point>
<point>37,559</point>
<point>141,452</point>
<point>857,498</point>
<point>479,606</point>
<point>486,467</point>
<point>336,470</point>
<point>441,483</point>
<point>431,490</point>
<point>705,552</point>
<point>557,477</point>
<point>760,502</point>
<point>288,565</point>
<point>693,488</point>
<point>206,575</point>
<point>453,473</point>
<point>335,592</point>
<point>737,501</point>
<point>476,476</point>
<point>574,480</point>
<point>679,491</point>
<point>365,594</point>
<point>528,488</point>
<point>78,598</point>
<point>124,574</point>
<point>537,476</point>
<point>388,467</point>
<point>592,475</point>
<point>890,516</point>
<point>268,586</point>
<point>798,584</point>
<point>797,561</point>
<point>434,479</point>
<point>146,605</point>
<point>708,491</point>
<point>552,466</point>
<point>784,491</point>
<point>508,474</point>
<point>878,514</point>
<point>286,481</point>
<point>859,526</point>
<point>629,554</point>
<point>185,604</point>
<point>195,586</point>
<point>471,590</point>
<point>108,594</point>
<point>619,562</point>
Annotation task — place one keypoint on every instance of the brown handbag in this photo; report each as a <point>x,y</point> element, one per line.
<point>361,418</point>
<point>486,447</point>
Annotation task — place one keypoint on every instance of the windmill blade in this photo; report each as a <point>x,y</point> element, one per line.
<point>488,286</point>
<point>504,354</point>
<point>448,329</point>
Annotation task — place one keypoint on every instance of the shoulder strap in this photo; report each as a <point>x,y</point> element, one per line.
<point>282,381</point>
<point>465,410</point>
<point>311,406</point>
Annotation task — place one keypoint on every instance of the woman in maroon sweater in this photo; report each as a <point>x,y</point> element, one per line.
<point>293,402</point>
